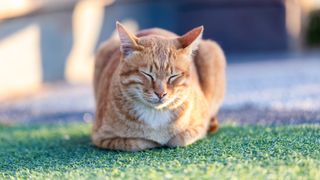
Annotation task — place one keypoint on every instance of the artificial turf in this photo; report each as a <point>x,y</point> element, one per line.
<point>64,151</point>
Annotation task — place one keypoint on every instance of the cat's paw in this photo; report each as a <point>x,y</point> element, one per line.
<point>177,141</point>
<point>141,144</point>
<point>187,137</point>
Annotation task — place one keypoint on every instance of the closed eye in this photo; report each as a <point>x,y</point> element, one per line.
<point>173,77</point>
<point>148,75</point>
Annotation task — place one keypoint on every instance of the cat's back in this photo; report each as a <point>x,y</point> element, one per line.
<point>106,61</point>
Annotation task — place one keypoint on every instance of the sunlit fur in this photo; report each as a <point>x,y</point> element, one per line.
<point>188,72</point>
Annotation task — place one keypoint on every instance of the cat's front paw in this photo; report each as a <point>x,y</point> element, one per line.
<point>187,137</point>
<point>177,141</point>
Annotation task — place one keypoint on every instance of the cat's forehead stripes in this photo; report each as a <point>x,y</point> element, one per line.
<point>163,62</point>
<point>159,51</point>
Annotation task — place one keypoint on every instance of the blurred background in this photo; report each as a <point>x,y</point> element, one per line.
<point>47,51</point>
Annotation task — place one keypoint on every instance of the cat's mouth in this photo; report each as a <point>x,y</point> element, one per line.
<point>159,103</point>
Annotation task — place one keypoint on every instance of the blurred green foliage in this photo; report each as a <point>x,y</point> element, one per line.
<point>313,29</point>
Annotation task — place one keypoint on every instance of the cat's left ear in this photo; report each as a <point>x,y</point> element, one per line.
<point>128,41</point>
<point>191,40</point>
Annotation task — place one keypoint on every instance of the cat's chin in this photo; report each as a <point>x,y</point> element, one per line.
<point>160,105</point>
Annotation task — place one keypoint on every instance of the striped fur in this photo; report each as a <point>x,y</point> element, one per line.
<point>153,89</point>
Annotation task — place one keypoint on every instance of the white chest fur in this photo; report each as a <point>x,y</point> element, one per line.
<point>152,117</point>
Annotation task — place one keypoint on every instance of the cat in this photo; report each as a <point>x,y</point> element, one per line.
<point>156,89</point>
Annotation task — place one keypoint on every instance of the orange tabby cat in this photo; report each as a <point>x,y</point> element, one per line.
<point>156,89</point>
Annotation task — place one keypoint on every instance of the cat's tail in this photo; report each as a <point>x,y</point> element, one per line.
<point>214,125</point>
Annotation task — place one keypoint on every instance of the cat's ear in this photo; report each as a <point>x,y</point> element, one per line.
<point>128,41</point>
<point>190,41</point>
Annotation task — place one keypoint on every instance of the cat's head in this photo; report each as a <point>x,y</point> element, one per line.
<point>156,70</point>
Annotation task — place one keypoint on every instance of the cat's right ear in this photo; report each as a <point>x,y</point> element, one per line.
<point>128,41</point>
<point>191,40</point>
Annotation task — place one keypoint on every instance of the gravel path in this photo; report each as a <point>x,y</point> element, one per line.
<point>274,91</point>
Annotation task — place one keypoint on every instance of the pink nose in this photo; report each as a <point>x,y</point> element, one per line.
<point>161,94</point>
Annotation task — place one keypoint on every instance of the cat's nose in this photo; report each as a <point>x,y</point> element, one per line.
<point>160,94</point>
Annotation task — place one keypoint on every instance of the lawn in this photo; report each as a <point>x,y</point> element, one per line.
<point>64,151</point>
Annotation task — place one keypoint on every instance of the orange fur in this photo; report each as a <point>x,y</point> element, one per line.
<point>156,89</point>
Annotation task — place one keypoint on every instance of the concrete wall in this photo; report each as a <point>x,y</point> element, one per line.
<point>47,47</point>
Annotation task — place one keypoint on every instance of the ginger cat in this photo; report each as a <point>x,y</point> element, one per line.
<point>156,89</point>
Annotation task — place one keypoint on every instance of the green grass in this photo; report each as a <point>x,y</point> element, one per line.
<point>64,151</point>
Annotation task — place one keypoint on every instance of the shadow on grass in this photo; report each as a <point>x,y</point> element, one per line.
<point>245,115</point>
<point>66,147</point>
<point>250,114</point>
